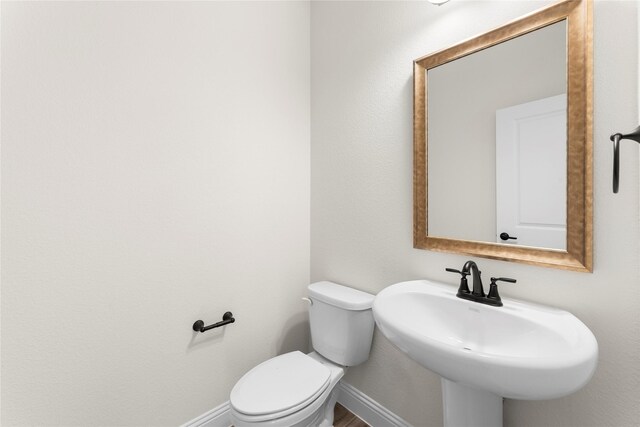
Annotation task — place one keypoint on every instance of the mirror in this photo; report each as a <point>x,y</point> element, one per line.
<point>502,142</point>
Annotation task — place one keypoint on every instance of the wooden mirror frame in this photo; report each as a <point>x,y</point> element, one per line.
<point>579,252</point>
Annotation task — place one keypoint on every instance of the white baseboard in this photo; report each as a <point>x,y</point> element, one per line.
<point>350,397</point>
<point>217,417</point>
<point>366,408</point>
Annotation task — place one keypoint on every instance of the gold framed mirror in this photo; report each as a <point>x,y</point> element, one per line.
<point>459,178</point>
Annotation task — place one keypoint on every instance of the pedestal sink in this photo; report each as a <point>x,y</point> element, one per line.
<point>485,353</point>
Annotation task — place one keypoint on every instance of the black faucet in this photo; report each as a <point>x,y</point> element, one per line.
<point>478,295</point>
<point>471,267</point>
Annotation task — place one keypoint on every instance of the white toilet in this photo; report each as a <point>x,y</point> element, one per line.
<point>297,389</point>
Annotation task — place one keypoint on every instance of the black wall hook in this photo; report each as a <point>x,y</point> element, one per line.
<point>226,319</point>
<point>616,138</point>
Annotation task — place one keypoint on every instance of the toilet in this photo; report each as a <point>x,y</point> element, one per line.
<point>297,389</point>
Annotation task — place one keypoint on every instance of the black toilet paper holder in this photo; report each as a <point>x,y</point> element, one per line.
<point>227,318</point>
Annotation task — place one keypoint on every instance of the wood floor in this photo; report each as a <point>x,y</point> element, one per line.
<point>343,418</point>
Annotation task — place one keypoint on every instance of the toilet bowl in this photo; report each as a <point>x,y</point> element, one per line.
<point>286,391</point>
<point>297,389</point>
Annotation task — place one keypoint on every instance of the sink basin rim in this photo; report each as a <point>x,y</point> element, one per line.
<point>483,369</point>
<point>511,307</point>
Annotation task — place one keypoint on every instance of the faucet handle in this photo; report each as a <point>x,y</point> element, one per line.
<point>502,279</point>
<point>493,294</point>
<point>464,285</point>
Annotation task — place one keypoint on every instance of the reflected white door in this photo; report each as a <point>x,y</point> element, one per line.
<point>531,173</point>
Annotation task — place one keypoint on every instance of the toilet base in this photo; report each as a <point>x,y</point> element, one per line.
<point>329,410</point>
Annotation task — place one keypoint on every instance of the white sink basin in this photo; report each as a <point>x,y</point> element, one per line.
<point>520,350</point>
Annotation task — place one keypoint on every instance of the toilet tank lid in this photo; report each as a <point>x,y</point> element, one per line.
<point>341,296</point>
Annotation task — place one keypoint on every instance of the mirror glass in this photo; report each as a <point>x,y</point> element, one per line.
<point>497,142</point>
<point>503,153</point>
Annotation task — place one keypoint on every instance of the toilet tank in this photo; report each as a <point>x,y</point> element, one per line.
<point>341,322</point>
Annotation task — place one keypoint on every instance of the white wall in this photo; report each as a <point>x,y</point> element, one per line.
<point>155,171</point>
<point>361,186</point>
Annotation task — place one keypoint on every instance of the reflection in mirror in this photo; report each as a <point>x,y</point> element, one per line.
<point>503,142</point>
<point>517,187</point>
<point>531,173</point>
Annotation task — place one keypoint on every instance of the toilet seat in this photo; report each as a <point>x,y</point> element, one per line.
<point>280,386</point>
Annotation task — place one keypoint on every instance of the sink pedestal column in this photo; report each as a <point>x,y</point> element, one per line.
<point>469,407</point>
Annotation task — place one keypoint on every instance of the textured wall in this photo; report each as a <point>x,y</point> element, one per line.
<point>155,170</point>
<point>361,186</point>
